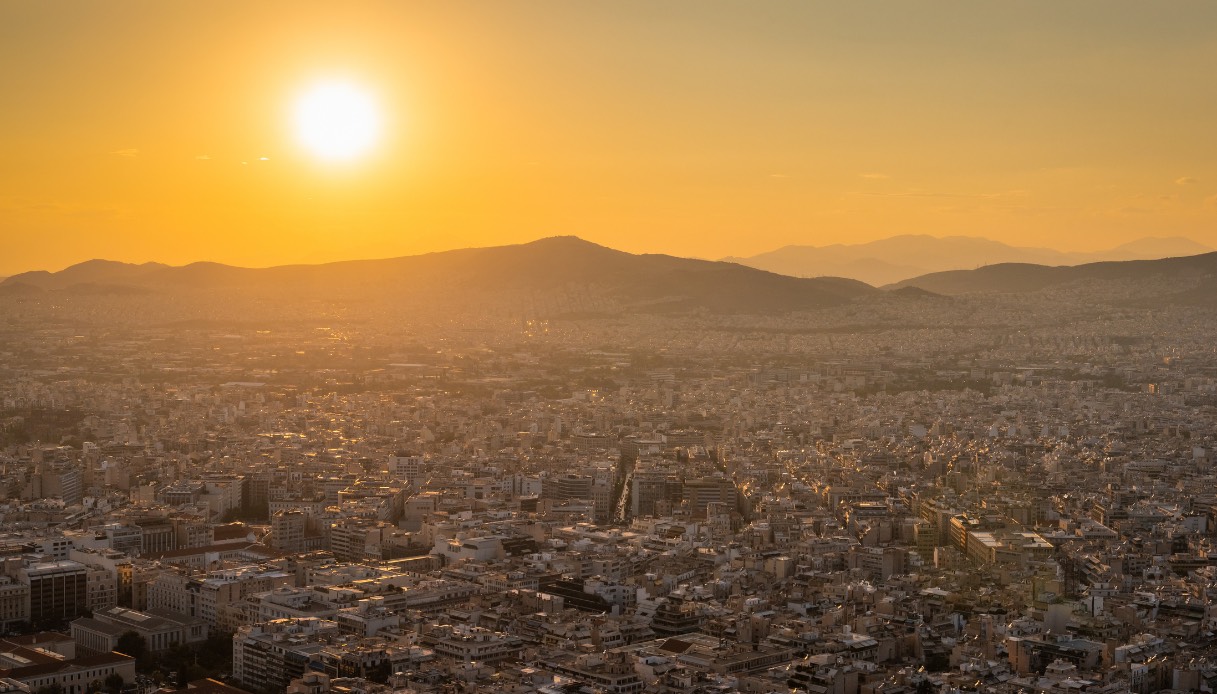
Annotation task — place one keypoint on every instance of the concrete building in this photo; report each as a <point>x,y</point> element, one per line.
<point>58,590</point>
<point>161,629</point>
<point>48,661</point>
<point>287,531</point>
<point>699,493</point>
<point>350,538</point>
<point>117,565</point>
<point>14,603</point>
<point>272,654</point>
<point>467,644</point>
<point>214,597</point>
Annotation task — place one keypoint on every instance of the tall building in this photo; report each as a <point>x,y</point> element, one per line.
<point>408,468</point>
<point>117,564</point>
<point>101,587</point>
<point>287,531</point>
<point>61,480</point>
<point>255,491</point>
<point>350,537</point>
<point>66,483</point>
<point>698,493</point>
<point>596,488</point>
<point>567,487</point>
<point>602,495</point>
<point>650,486</point>
<point>58,590</point>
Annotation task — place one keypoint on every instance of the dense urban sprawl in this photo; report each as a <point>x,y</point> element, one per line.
<point>977,494</point>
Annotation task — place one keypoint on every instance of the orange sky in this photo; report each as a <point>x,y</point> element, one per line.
<point>136,130</point>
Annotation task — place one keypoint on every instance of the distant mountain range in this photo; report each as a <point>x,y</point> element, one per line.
<point>1186,280</point>
<point>902,257</point>
<point>554,275</point>
<point>567,276</point>
<point>88,272</point>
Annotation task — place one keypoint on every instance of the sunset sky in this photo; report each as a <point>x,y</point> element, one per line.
<point>165,131</point>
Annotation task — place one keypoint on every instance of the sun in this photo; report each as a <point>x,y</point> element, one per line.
<point>337,121</point>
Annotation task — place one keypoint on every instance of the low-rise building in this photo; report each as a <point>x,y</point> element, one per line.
<point>161,629</point>
<point>271,655</point>
<point>48,660</point>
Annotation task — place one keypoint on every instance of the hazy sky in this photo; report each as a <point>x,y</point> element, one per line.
<point>162,130</point>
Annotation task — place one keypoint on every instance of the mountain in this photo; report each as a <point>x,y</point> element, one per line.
<point>900,257</point>
<point>1178,280</point>
<point>88,272</point>
<point>1151,248</point>
<point>550,276</point>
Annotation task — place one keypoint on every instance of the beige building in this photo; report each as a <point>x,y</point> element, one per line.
<point>160,629</point>
<point>14,603</point>
<point>272,654</point>
<point>216,597</point>
<point>115,563</point>
<point>48,660</point>
<point>101,587</point>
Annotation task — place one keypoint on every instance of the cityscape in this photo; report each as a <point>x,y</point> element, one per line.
<point>632,347</point>
<point>989,491</point>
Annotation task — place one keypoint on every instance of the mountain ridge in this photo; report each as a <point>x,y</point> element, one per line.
<point>1026,277</point>
<point>567,275</point>
<point>896,258</point>
<point>536,271</point>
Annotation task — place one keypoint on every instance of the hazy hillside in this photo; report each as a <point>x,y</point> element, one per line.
<point>90,271</point>
<point>1175,274</point>
<point>1153,248</point>
<point>560,273</point>
<point>901,257</point>
<point>566,276</point>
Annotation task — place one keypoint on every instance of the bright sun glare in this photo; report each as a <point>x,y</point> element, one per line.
<point>337,120</point>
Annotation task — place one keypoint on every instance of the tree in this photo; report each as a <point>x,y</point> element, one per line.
<point>215,654</point>
<point>185,663</point>
<point>134,645</point>
<point>114,683</point>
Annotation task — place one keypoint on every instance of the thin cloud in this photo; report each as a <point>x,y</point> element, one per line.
<point>778,176</point>
<point>1185,181</point>
<point>46,207</point>
<point>875,176</point>
<point>128,153</point>
<point>203,157</point>
<point>933,194</point>
<point>66,209</point>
